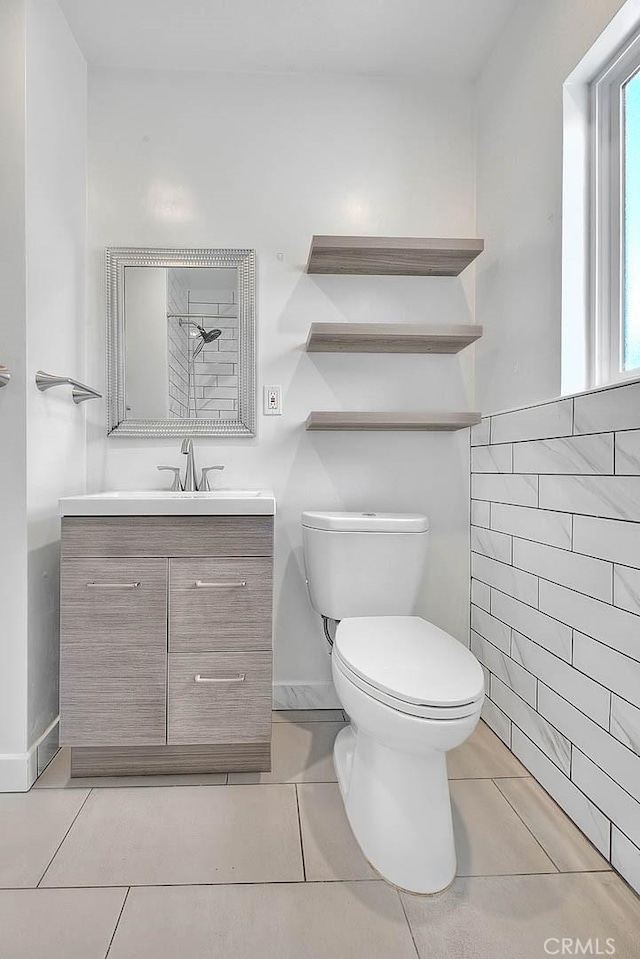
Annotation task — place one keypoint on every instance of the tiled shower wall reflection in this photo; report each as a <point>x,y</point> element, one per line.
<point>178,343</point>
<point>555,603</point>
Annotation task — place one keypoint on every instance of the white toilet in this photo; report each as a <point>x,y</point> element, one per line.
<point>411,691</point>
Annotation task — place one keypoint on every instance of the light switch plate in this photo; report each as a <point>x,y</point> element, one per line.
<point>272,401</point>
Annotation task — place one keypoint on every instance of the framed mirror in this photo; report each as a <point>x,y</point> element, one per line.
<point>180,342</point>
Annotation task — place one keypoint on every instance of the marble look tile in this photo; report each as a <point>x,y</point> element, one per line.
<point>320,695</point>
<point>613,670</point>
<point>490,543</point>
<point>547,632</point>
<point>32,826</point>
<point>607,539</point>
<point>480,513</point>
<point>615,802</point>
<point>487,918</point>
<point>516,489</point>
<point>497,720</point>
<point>626,589</point>
<point>616,760</point>
<point>572,454</point>
<point>483,756</point>
<point>547,738</point>
<point>606,410</point>
<point>563,842</point>
<point>329,847</point>
<point>182,835</point>
<point>58,923</point>
<point>578,807</point>
<point>300,752</point>
<point>585,693</point>
<point>491,839</point>
<point>57,775</point>
<point>308,716</point>
<point>533,423</point>
<point>626,858</point>
<point>480,433</point>
<point>505,668</point>
<point>360,920</point>
<point>628,453</point>
<point>480,595</point>
<point>491,628</point>
<point>492,459</point>
<point>609,624</point>
<point>505,578</point>
<point>582,573</point>
<point>613,497</point>
<point>539,525</point>
<point>625,723</point>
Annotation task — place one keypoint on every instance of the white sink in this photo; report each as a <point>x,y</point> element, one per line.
<point>219,502</point>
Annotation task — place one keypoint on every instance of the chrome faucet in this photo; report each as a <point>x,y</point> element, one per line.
<point>190,483</point>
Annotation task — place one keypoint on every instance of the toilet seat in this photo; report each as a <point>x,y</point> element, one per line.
<point>410,665</point>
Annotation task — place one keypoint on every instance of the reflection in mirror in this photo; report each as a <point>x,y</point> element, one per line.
<point>181,350</point>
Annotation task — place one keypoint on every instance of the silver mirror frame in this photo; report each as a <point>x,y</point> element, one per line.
<point>116,260</point>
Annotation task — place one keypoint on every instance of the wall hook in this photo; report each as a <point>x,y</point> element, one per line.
<point>79,392</point>
<point>5,376</point>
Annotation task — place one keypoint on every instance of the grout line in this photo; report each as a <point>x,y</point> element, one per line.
<point>124,902</point>
<point>304,868</point>
<point>83,804</point>
<point>406,919</point>
<point>527,827</point>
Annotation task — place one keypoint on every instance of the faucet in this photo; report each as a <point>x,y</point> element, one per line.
<point>190,483</point>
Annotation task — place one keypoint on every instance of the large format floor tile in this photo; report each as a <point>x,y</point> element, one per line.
<point>57,775</point>
<point>491,840</point>
<point>329,847</point>
<point>361,920</point>
<point>563,842</point>
<point>483,756</point>
<point>300,752</point>
<point>32,826</point>
<point>199,834</point>
<point>58,923</point>
<point>307,716</point>
<point>514,917</point>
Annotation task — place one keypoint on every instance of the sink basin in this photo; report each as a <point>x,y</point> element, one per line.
<point>219,502</point>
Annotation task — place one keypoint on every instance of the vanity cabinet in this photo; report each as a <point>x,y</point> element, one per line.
<point>166,643</point>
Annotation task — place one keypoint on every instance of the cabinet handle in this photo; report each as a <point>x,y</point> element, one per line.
<point>230,679</point>
<point>201,585</point>
<point>113,585</point>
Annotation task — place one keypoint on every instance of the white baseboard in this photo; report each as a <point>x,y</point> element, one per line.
<point>320,695</point>
<point>19,771</point>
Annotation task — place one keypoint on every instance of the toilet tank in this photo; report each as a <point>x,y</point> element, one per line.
<point>364,564</point>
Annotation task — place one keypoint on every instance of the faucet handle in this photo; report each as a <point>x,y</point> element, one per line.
<point>176,486</point>
<point>204,480</point>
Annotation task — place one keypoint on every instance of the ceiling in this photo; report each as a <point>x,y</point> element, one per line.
<point>415,38</point>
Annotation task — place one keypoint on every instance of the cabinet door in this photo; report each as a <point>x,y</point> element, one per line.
<point>219,698</point>
<point>217,604</point>
<point>113,655</point>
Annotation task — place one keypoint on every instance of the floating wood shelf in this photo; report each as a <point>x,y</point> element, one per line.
<point>389,338</point>
<point>391,255</point>
<point>391,421</point>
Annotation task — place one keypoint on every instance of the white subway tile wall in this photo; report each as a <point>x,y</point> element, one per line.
<point>555,603</point>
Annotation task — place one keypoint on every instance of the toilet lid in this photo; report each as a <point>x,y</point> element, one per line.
<point>410,659</point>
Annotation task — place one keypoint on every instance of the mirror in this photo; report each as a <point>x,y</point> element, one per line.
<point>181,342</point>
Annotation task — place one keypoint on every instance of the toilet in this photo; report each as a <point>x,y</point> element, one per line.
<point>411,691</point>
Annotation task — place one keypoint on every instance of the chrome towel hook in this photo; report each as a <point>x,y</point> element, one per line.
<point>5,376</point>
<point>79,392</point>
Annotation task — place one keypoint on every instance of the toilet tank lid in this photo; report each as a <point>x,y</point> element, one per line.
<point>367,522</point>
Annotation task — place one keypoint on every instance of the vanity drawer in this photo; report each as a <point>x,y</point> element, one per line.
<point>219,698</point>
<point>220,604</point>
<point>112,695</point>
<point>114,601</point>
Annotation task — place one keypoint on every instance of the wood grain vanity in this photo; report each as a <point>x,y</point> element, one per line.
<point>166,643</point>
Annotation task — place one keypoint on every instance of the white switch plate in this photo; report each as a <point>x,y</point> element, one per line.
<point>272,401</point>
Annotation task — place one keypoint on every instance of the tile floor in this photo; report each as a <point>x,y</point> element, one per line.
<point>245,866</point>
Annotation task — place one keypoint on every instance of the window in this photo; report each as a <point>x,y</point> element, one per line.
<point>615,219</point>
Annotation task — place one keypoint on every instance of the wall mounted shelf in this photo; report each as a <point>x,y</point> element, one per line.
<point>392,255</point>
<point>340,420</point>
<point>389,338</point>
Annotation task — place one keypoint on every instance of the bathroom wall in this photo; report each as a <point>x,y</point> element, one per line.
<point>204,160</point>
<point>555,614</point>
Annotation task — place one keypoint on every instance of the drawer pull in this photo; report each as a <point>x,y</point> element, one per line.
<point>229,679</point>
<point>201,585</point>
<point>113,585</point>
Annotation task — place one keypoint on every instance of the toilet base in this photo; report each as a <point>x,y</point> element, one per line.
<point>399,809</point>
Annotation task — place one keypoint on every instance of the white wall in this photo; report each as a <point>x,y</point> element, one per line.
<point>191,160</point>
<point>146,342</point>
<point>519,196</point>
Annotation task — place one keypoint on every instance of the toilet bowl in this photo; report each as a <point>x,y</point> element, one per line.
<point>411,691</point>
